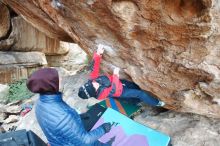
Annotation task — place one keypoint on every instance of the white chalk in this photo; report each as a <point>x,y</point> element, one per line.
<point>107,48</point>
<point>56,4</point>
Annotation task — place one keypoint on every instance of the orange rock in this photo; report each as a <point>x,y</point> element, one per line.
<point>170,48</point>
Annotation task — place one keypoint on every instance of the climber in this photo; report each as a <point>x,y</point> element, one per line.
<point>60,123</point>
<point>105,86</point>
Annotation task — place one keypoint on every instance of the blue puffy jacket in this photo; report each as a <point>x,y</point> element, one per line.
<point>62,125</point>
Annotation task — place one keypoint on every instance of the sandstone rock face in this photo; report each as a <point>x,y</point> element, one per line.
<point>5,20</point>
<point>28,58</point>
<point>18,65</point>
<point>168,47</point>
<point>11,119</point>
<point>47,25</point>
<point>6,44</point>
<point>73,61</point>
<point>25,37</point>
<point>10,73</point>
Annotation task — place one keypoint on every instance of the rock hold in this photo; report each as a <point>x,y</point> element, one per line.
<point>11,119</point>
<point>15,109</point>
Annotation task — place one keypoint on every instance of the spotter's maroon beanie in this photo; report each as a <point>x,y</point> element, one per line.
<point>44,81</point>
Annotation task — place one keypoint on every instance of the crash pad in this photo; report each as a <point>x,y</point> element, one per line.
<point>127,132</point>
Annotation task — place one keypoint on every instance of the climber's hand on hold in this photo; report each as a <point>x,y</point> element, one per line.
<point>116,71</point>
<point>100,49</point>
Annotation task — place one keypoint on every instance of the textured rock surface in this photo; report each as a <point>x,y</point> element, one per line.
<point>25,58</point>
<point>27,38</point>
<point>33,14</point>
<point>10,73</point>
<point>11,119</point>
<point>18,65</point>
<point>168,47</point>
<point>74,60</point>
<point>4,20</point>
<point>184,129</point>
<point>6,44</point>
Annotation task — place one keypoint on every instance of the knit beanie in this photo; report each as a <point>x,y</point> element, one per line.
<point>44,81</point>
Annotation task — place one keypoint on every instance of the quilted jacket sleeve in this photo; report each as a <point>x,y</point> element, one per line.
<point>76,134</point>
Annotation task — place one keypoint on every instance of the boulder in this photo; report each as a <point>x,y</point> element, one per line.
<point>4,20</point>
<point>27,58</point>
<point>184,129</point>
<point>10,73</point>
<point>73,61</point>
<point>11,119</point>
<point>18,65</point>
<point>33,15</point>
<point>6,44</point>
<point>24,37</point>
<point>169,48</point>
<point>15,109</point>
